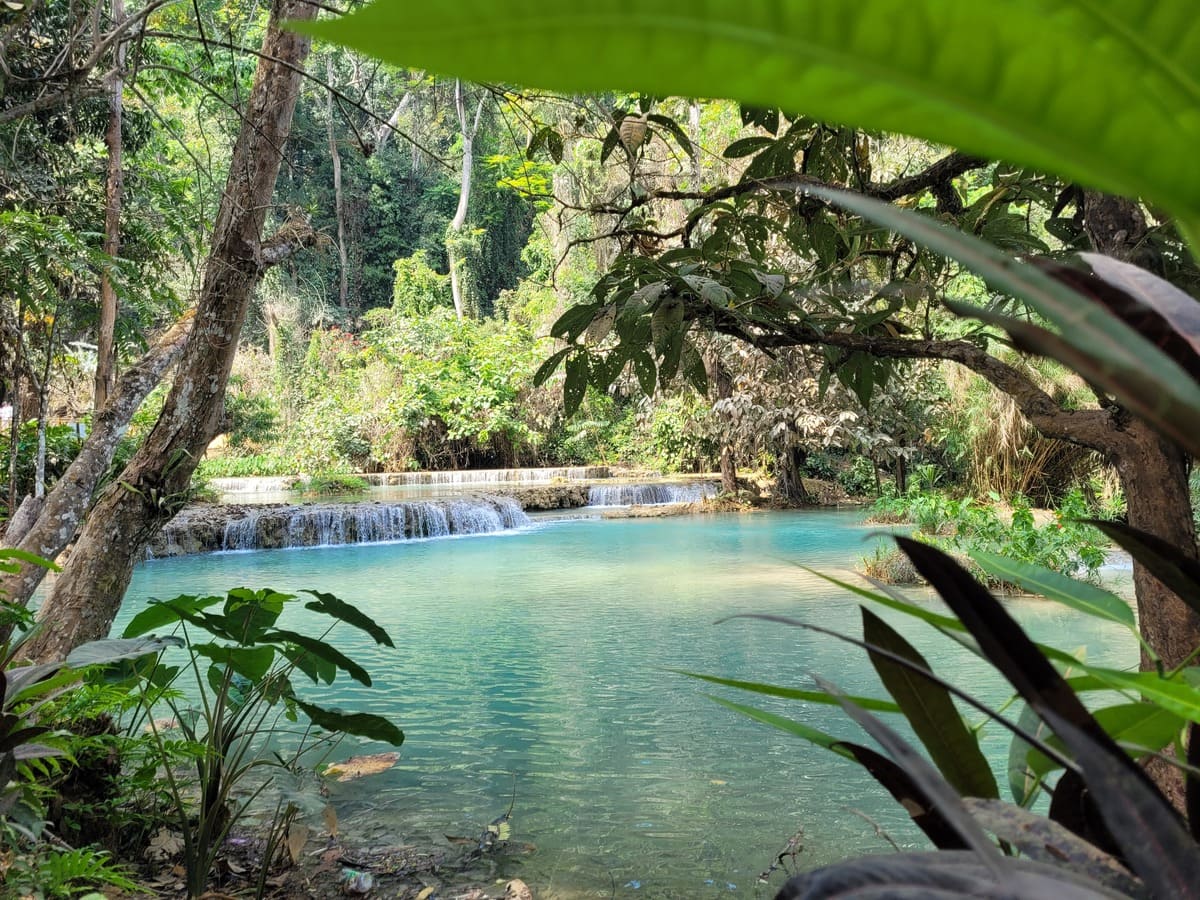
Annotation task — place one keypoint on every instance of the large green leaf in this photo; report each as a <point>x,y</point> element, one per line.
<point>1078,595</point>
<point>1105,92</point>
<point>791,726</point>
<point>930,711</point>
<point>787,693</point>
<point>367,725</point>
<point>348,613</point>
<point>1149,831</point>
<point>1128,365</point>
<point>252,663</point>
<point>1140,727</point>
<point>160,613</point>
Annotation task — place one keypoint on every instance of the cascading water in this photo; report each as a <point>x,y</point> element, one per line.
<point>489,476</point>
<point>239,534</point>
<point>333,524</point>
<point>649,494</point>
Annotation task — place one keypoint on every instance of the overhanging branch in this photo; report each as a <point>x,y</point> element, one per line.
<point>1091,428</point>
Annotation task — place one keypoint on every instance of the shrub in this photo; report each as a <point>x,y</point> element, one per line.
<point>962,526</point>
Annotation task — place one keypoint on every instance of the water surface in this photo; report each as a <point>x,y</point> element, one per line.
<point>544,655</point>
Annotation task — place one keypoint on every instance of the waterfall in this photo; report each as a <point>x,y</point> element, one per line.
<point>649,494</point>
<point>488,476</point>
<point>252,484</point>
<point>239,534</point>
<point>267,527</point>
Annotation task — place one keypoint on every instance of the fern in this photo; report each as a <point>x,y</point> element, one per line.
<point>64,873</point>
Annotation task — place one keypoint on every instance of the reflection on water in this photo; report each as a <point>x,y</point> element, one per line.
<point>544,657</point>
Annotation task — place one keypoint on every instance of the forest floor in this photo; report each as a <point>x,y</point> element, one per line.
<point>324,867</point>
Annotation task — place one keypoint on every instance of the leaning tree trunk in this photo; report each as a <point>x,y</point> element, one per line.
<point>57,519</point>
<point>130,512</point>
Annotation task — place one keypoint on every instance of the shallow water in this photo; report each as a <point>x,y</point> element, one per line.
<point>543,656</point>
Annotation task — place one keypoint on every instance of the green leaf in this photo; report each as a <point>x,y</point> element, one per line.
<point>989,78</point>
<point>161,613</point>
<point>643,367</point>
<point>681,138</point>
<point>1134,725</point>
<point>1150,832</point>
<point>787,693</point>
<point>32,558</point>
<point>930,711</point>
<point>746,147</point>
<point>546,369</point>
<point>1134,370</point>
<point>571,324</point>
<point>366,725</point>
<point>111,650</point>
<point>250,662</point>
<point>1021,779</point>
<point>316,668</point>
<point>322,650</point>
<point>610,144</point>
<point>672,350</point>
<point>248,614</point>
<point>1078,595</point>
<point>348,613</point>
<point>1176,694</point>
<point>791,726</point>
<point>575,386</point>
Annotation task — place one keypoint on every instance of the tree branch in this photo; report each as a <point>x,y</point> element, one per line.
<point>1096,429</point>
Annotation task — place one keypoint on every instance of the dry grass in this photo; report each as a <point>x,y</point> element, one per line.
<point>1005,453</point>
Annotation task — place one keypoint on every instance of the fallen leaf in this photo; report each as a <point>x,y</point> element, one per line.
<point>425,894</point>
<point>164,845</point>
<point>358,766</point>
<point>297,837</point>
<point>329,815</point>
<point>517,890</point>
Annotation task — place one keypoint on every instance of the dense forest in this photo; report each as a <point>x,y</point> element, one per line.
<point>227,250</point>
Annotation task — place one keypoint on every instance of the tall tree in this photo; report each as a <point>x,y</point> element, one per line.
<point>468,128</point>
<point>339,202</point>
<point>114,183</point>
<point>127,515</point>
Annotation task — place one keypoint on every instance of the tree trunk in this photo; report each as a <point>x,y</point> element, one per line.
<point>14,429</point>
<point>1154,478</point>
<point>43,412</point>
<point>339,206</point>
<point>55,523</point>
<point>722,389</point>
<point>39,465</point>
<point>129,513</point>
<point>106,329</point>
<point>384,132</point>
<point>789,483</point>
<point>901,475</point>
<point>464,196</point>
<point>22,521</point>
